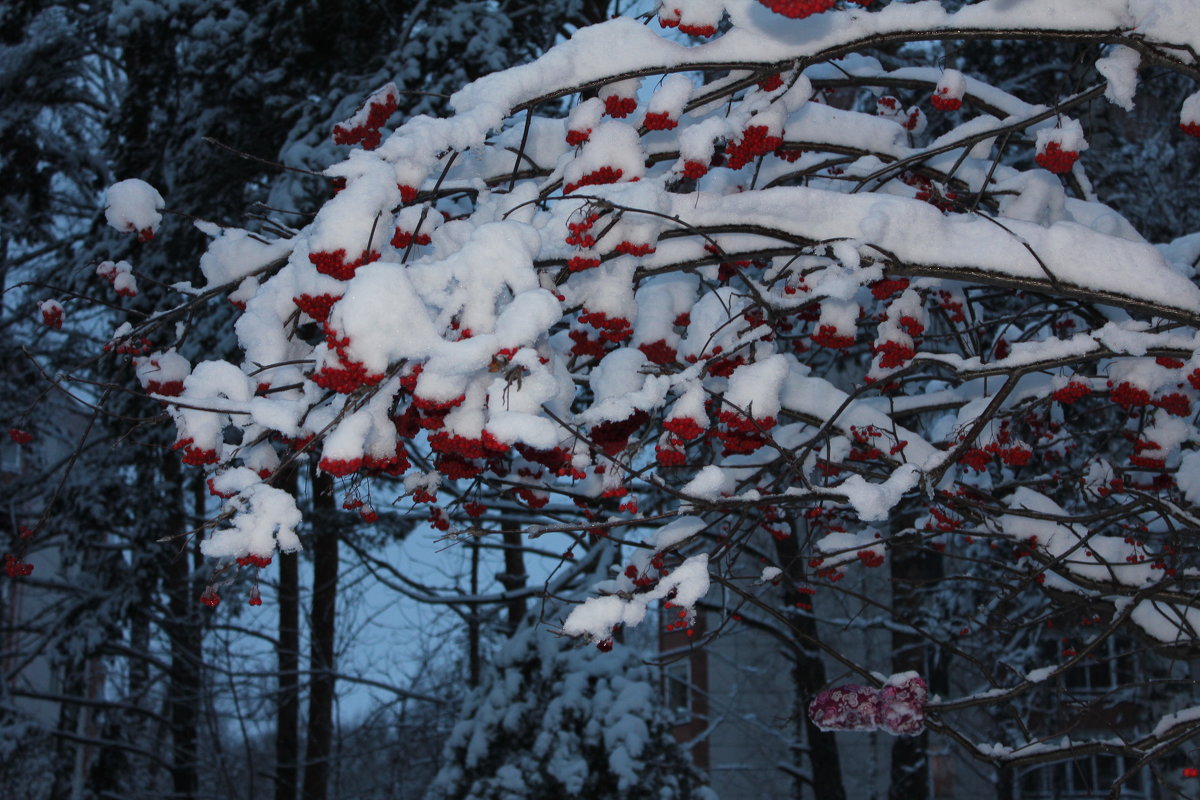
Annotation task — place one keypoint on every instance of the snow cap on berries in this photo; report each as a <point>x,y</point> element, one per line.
<point>620,97</point>
<point>132,206</point>
<point>948,94</point>
<point>665,106</point>
<point>52,313</point>
<point>1189,115</point>
<point>1058,148</point>
<point>583,119</point>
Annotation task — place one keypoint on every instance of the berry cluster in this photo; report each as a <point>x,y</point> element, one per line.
<point>366,131</point>
<point>19,436</point>
<point>870,558</point>
<point>251,560</point>
<point>771,82</point>
<point>619,107</point>
<point>613,436</point>
<point>944,100</point>
<point>1128,396</point>
<point>341,467</point>
<point>742,434</point>
<point>15,568</point>
<point>892,353</point>
<point>612,329</point>
<point>884,288</point>
<point>196,456</point>
<point>316,306</point>
<point>669,456</point>
<point>756,140</point>
<point>165,388</point>
<point>52,314</point>
<point>659,121</point>
<point>345,377</point>
<point>831,337</point>
<point>659,352</point>
<point>402,239</point>
<point>684,427</point>
<point>1055,159</point>
<point>631,249</point>
<point>694,170</point>
<point>580,263</point>
<point>595,178</point>
<point>335,265</point>
<point>576,138</point>
<point>120,275</point>
<point>798,9</point>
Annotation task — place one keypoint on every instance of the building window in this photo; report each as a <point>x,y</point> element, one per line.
<point>10,457</point>
<point>1110,667</point>
<point>677,690</point>
<point>1089,778</point>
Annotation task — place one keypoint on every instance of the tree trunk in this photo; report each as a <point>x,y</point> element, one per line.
<point>321,655</point>
<point>514,578</point>
<point>911,568</point>
<point>183,634</point>
<point>474,622</point>
<point>808,672</point>
<point>287,713</point>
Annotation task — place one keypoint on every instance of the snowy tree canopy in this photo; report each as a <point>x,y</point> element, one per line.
<point>690,277</point>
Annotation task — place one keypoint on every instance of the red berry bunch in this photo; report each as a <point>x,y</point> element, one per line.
<point>612,329</point>
<point>52,314</point>
<point>893,354</point>
<point>870,558</point>
<point>887,287</point>
<point>798,9</point>
<point>196,456</point>
<point>756,141</point>
<point>669,456</point>
<point>252,560</point>
<point>596,178</point>
<point>341,467</point>
<point>619,107</point>
<point>19,436</point>
<point>346,377</point>
<point>631,249</point>
<point>943,100</point>
<point>742,434</point>
<point>580,232</point>
<point>771,82</point>
<point>15,568</point>
<point>1128,396</point>
<point>694,170</point>
<point>335,265</point>
<point>1055,159</point>
<point>659,352</point>
<point>829,336</point>
<point>402,239</point>
<point>659,121</point>
<point>316,306</point>
<point>365,129</point>
<point>613,436</point>
<point>210,598</point>
<point>576,138</point>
